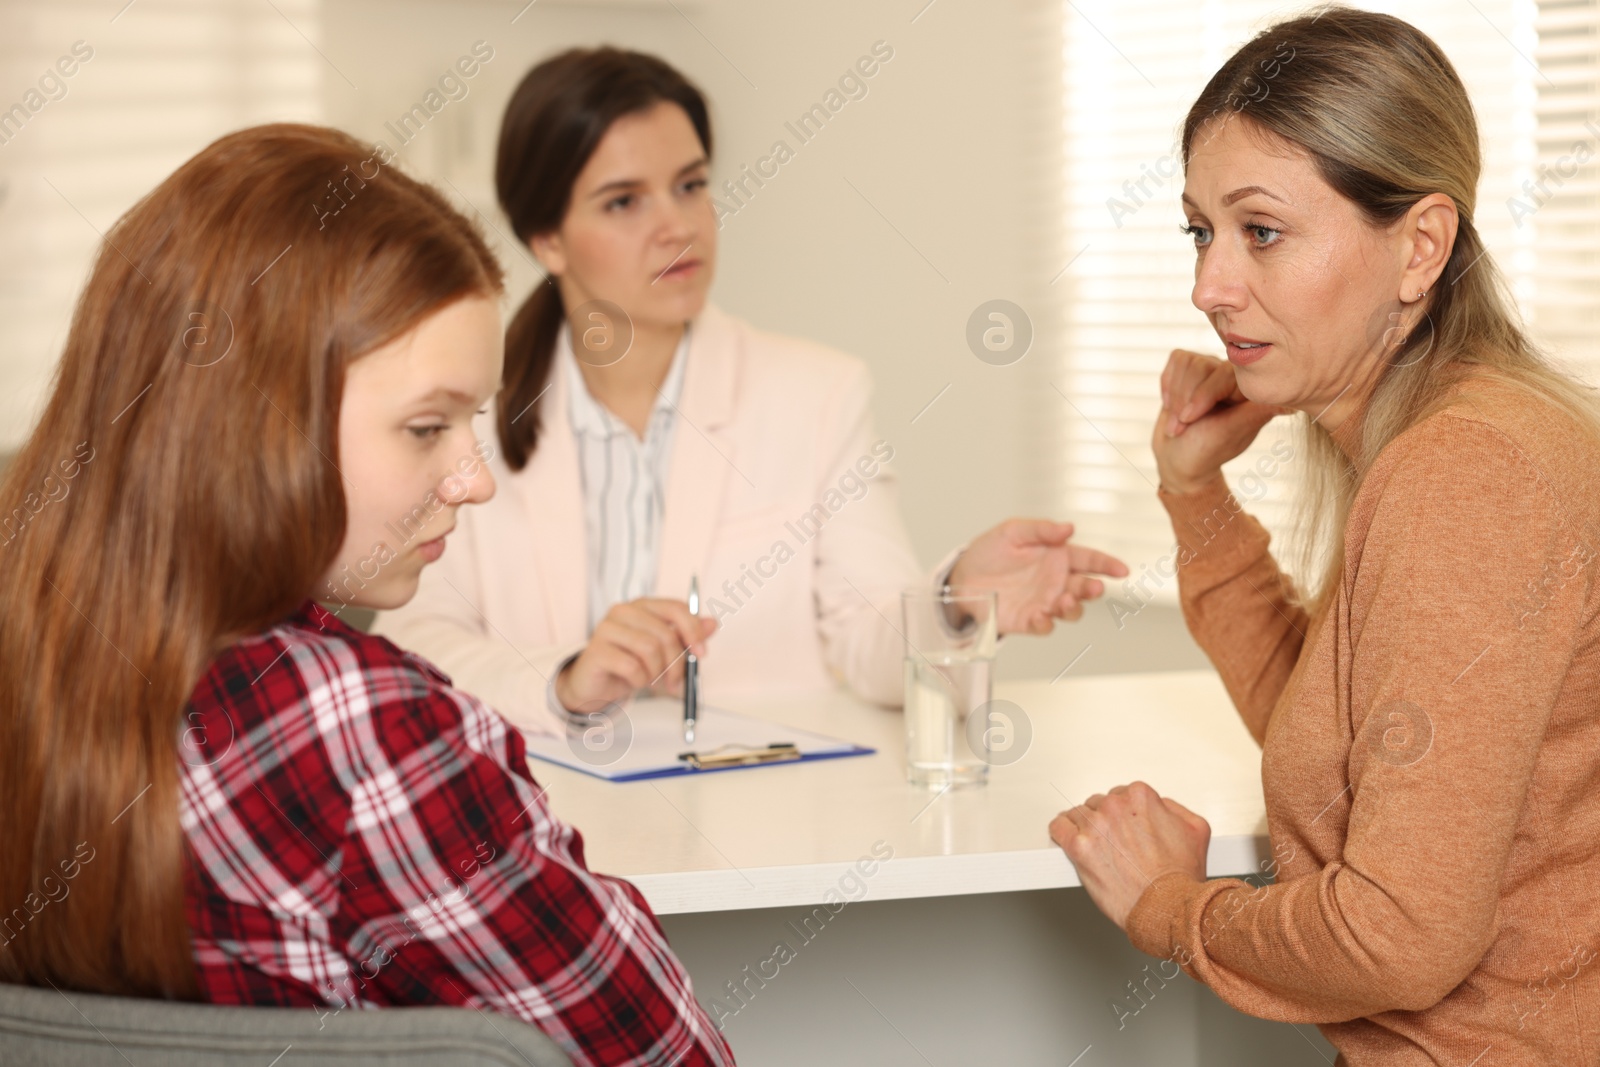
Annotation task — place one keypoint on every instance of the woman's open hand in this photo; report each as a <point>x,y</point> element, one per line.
<point>1204,422</point>
<point>1123,840</point>
<point>1038,574</point>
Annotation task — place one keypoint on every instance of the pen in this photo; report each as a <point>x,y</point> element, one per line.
<point>691,671</point>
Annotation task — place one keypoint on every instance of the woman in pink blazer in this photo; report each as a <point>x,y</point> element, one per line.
<point>643,437</point>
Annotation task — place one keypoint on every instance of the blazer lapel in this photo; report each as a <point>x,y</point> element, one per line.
<point>552,499</point>
<point>703,456</point>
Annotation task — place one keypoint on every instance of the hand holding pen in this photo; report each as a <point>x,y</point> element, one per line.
<point>691,671</point>
<point>640,644</point>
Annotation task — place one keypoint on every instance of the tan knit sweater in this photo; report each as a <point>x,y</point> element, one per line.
<point>1430,752</point>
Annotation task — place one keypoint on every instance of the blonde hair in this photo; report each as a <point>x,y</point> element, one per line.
<point>1387,121</point>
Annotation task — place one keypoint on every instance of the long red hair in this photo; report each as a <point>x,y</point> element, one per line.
<point>182,490</point>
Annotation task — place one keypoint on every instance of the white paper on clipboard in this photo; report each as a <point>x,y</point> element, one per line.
<point>646,741</point>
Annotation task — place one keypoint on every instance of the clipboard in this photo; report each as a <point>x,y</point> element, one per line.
<point>646,741</point>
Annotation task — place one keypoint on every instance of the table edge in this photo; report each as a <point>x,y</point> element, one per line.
<point>836,883</point>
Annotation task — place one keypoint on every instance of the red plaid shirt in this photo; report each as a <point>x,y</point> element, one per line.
<point>363,834</point>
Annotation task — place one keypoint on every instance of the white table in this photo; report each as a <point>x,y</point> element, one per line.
<point>784,835</point>
<point>961,948</point>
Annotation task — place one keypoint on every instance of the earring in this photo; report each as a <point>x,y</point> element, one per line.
<point>1422,293</point>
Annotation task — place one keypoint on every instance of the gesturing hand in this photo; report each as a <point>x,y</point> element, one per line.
<point>1204,422</point>
<point>638,645</point>
<point>1038,575</point>
<point>1122,841</point>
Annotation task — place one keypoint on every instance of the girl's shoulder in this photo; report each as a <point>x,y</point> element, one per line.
<point>313,665</point>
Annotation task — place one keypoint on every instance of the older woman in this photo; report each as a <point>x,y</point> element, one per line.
<point>1427,708</point>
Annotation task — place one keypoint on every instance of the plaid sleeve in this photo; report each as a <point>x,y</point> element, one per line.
<point>462,888</point>
<point>363,834</point>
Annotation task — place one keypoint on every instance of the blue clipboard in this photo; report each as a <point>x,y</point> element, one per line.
<point>646,740</point>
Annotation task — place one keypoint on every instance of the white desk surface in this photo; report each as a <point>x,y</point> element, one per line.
<point>785,835</point>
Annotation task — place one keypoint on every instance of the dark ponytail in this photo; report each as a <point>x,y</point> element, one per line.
<point>553,124</point>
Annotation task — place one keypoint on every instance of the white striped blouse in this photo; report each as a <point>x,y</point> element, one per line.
<point>624,481</point>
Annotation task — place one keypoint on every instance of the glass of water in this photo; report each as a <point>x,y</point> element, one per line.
<point>949,666</point>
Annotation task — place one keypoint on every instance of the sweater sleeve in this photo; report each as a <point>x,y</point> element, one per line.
<point>1461,641</point>
<point>1238,605</point>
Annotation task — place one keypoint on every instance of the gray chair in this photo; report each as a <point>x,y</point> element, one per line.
<point>41,1027</point>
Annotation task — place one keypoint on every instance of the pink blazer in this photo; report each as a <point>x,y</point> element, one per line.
<point>779,496</point>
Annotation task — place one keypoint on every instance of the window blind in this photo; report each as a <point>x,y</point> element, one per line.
<point>150,85</point>
<point>1555,195</point>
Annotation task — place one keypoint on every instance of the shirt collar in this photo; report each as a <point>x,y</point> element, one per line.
<point>589,416</point>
